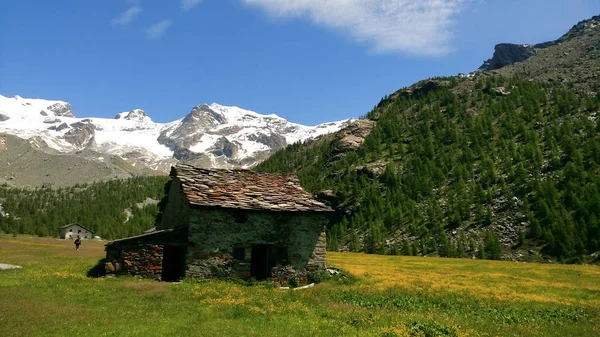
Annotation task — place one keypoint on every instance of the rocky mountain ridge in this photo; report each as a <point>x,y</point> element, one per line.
<point>208,136</point>
<point>509,53</point>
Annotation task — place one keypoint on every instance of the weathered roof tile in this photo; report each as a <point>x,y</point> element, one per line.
<point>245,189</point>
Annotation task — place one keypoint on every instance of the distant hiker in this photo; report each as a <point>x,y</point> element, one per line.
<point>77,242</point>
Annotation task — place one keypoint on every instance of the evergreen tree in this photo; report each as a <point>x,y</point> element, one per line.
<point>492,246</point>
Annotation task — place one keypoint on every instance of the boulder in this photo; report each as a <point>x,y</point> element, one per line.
<point>109,267</point>
<point>499,91</point>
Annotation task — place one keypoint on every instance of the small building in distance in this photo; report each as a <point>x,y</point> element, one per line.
<point>228,223</point>
<point>71,231</point>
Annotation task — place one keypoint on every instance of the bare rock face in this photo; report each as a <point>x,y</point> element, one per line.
<point>508,53</point>
<point>138,115</point>
<point>81,135</point>
<point>4,118</point>
<point>201,119</point>
<point>350,138</point>
<point>498,91</point>
<point>61,109</point>
<point>272,140</point>
<point>60,127</point>
<point>223,147</point>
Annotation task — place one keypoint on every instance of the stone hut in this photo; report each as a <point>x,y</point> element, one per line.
<point>71,231</point>
<point>228,223</point>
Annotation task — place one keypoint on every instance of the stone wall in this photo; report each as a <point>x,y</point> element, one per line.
<point>221,240</point>
<point>143,260</point>
<point>176,211</point>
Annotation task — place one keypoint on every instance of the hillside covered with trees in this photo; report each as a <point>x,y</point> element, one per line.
<point>503,164</point>
<point>111,209</point>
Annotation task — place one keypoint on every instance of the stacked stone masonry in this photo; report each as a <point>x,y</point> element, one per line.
<point>299,239</point>
<point>143,260</point>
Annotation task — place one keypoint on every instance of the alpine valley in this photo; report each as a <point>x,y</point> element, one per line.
<point>500,163</point>
<point>211,136</point>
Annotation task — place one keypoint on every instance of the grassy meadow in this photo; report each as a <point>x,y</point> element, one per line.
<point>389,296</point>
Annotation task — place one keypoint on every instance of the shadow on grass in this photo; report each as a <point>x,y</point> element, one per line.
<point>98,270</point>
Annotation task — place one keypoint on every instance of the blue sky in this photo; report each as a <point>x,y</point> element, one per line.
<point>310,61</point>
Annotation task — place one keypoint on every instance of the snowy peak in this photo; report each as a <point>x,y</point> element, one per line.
<point>18,107</point>
<point>209,135</point>
<point>204,115</point>
<point>136,115</point>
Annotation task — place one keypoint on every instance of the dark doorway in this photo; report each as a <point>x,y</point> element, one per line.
<point>260,264</point>
<point>173,266</point>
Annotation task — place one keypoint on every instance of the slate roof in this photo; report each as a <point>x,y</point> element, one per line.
<point>245,189</point>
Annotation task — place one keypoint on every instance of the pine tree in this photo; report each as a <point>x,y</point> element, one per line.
<point>492,246</point>
<point>355,245</point>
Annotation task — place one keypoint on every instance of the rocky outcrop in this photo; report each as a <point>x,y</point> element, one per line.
<point>223,147</point>
<point>498,91</point>
<point>272,140</point>
<point>137,115</point>
<point>191,129</point>
<point>81,135</point>
<point>508,53</point>
<point>60,127</point>
<point>372,170</point>
<point>4,118</point>
<point>350,138</point>
<point>61,109</point>
<point>186,155</point>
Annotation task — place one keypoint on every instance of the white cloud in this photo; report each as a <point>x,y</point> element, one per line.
<point>186,5</point>
<point>157,30</point>
<point>127,16</point>
<point>411,26</point>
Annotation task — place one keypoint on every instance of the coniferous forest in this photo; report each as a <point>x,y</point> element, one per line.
<point>112,209</point>
<point>465,169</point>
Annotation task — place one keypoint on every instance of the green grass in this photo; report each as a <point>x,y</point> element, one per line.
<point>394,296</point>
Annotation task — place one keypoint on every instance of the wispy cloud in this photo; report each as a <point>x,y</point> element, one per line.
<point>157,30</point>
<point>186,5</point>
<point>127,16</point>
<point>420,27</point>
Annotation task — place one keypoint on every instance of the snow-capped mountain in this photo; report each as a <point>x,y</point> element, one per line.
<point>209,136</point>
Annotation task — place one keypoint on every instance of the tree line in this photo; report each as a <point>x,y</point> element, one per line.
<point>111,209</point>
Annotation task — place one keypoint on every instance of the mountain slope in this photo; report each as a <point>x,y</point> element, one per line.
<point>209,136</point>
<point>500,164</point>
<point>22,164</point>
